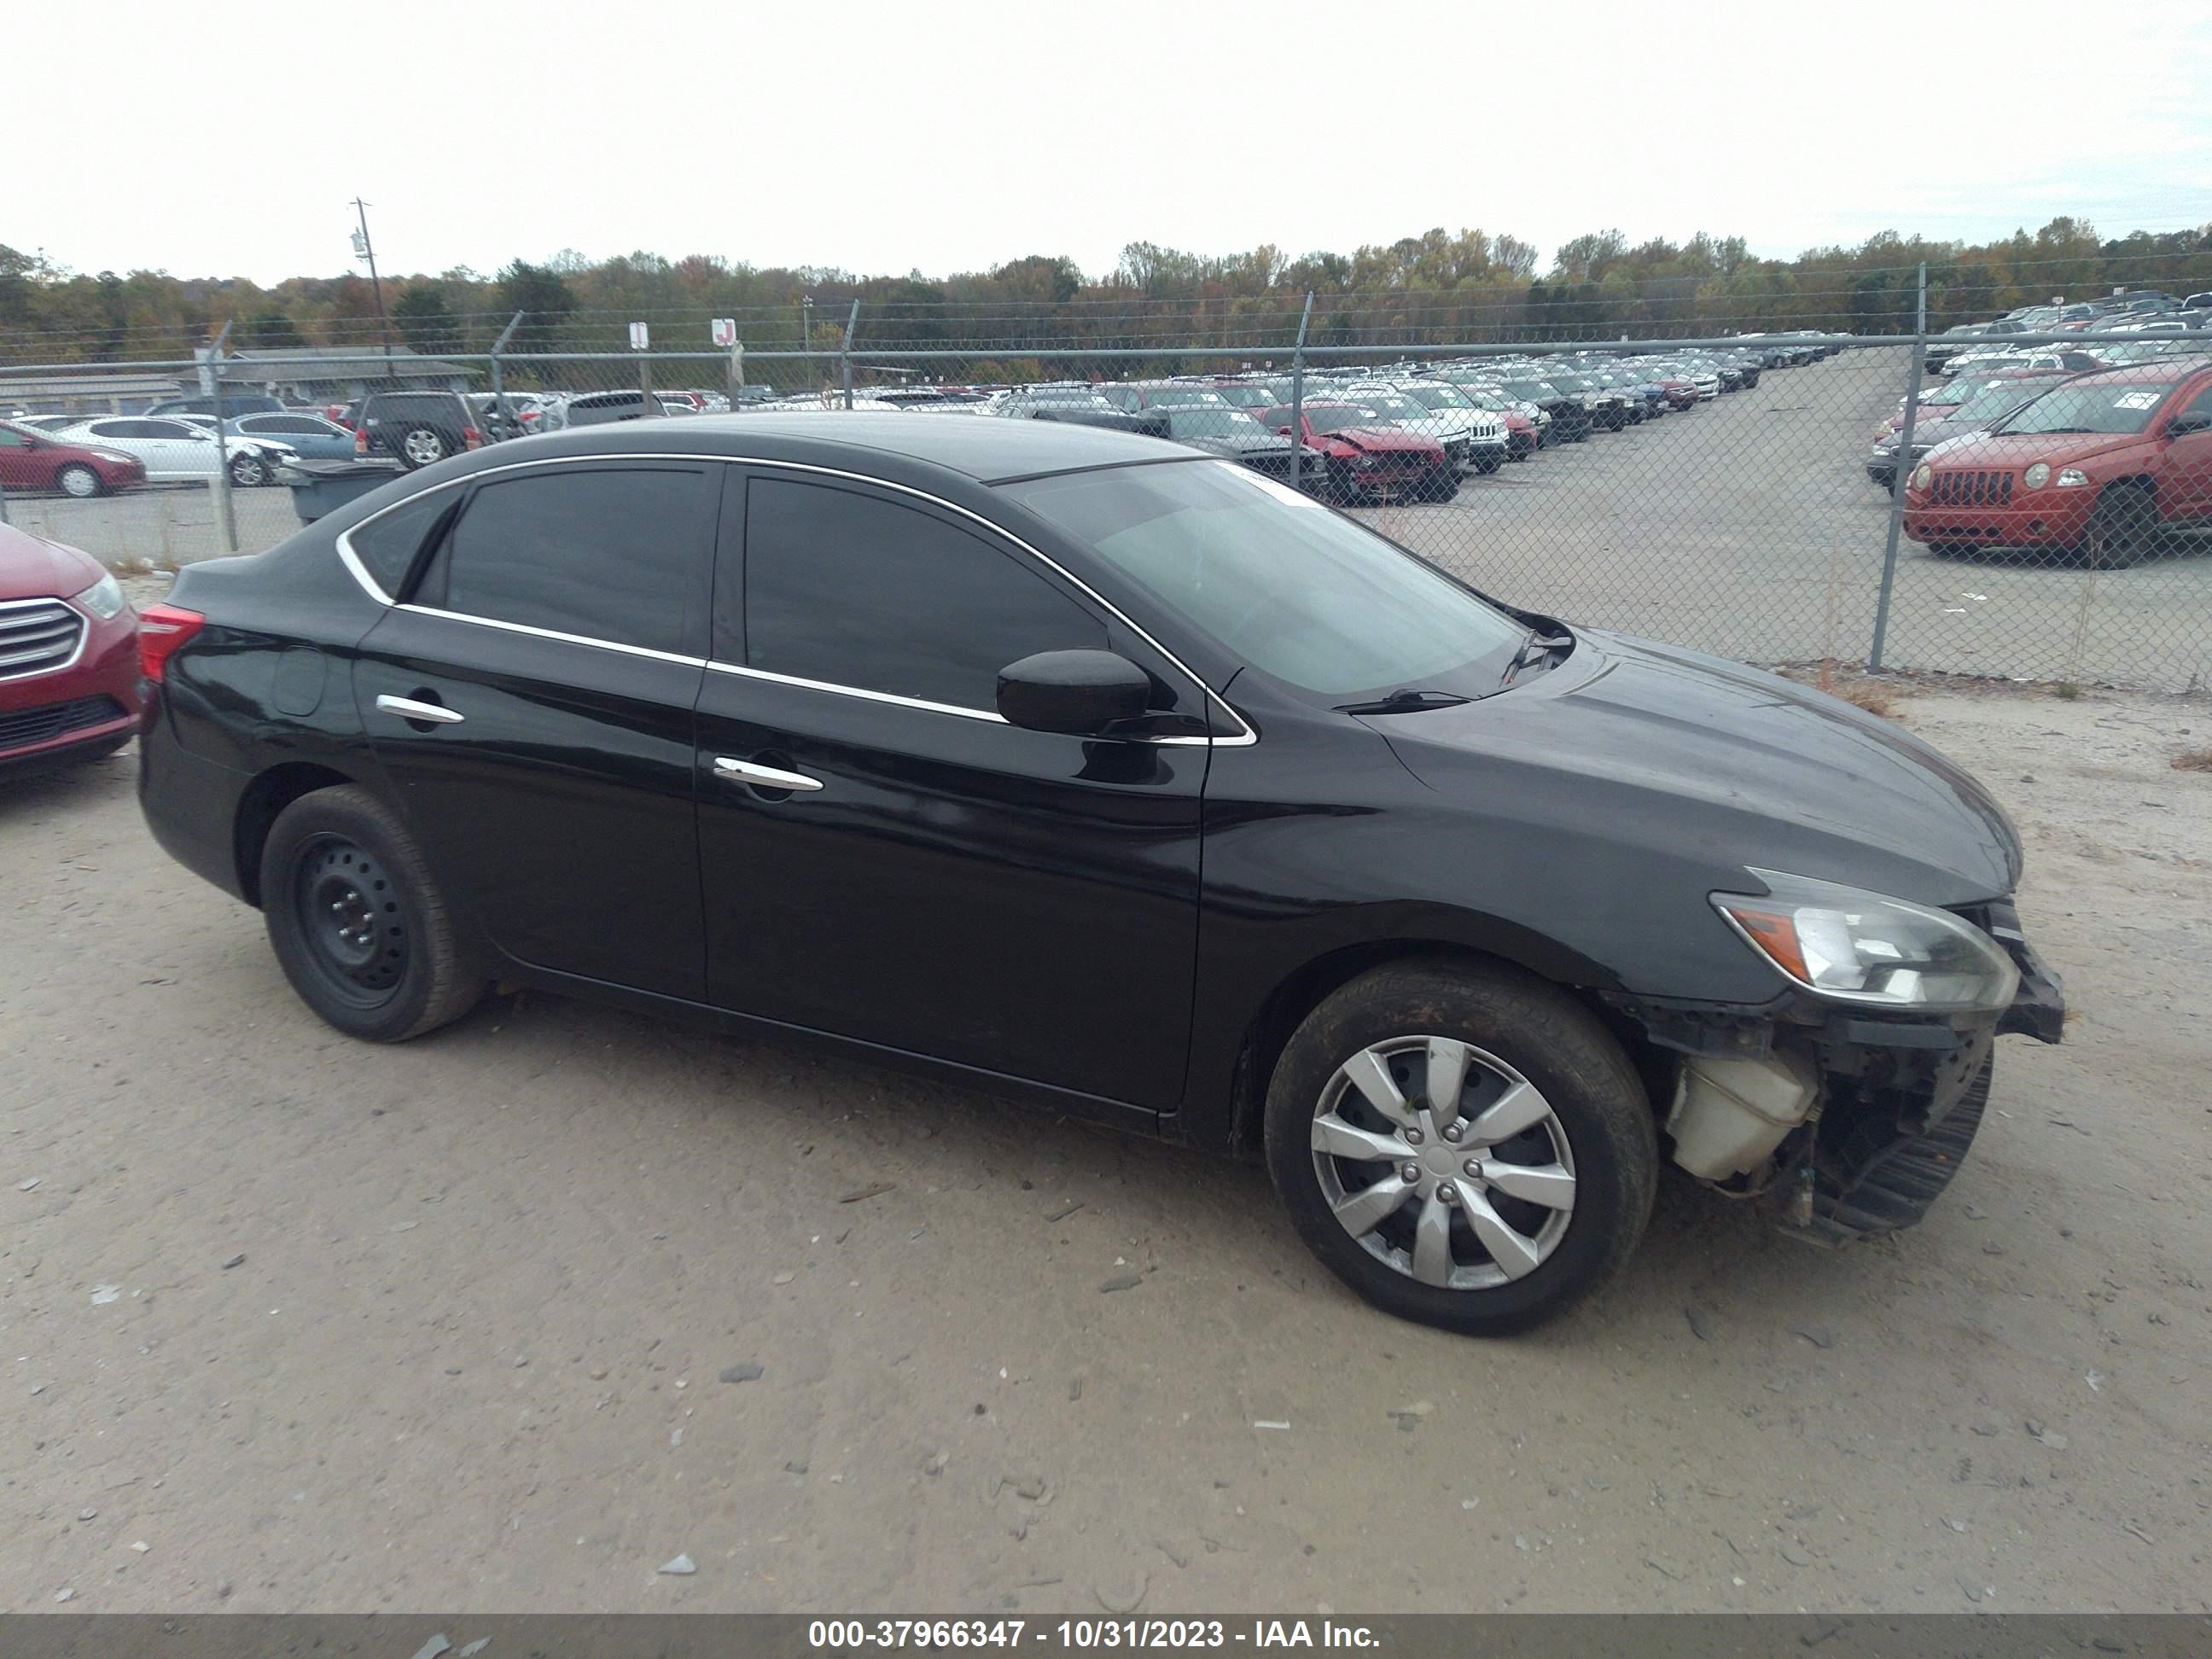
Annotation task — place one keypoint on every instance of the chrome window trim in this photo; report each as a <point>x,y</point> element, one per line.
<point>536,632</point>
<point>1244,737</point>
<point>85,622</point>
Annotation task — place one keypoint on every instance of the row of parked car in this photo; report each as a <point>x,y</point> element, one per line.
<point>1409,431</point>
<point>2145,317</point>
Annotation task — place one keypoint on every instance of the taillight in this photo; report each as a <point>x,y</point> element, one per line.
<point>470,438</point>
<point>161,630</point>
<point>360,439</point>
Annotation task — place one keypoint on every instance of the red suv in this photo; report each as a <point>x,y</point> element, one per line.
<point>1369,458</point>
<point>2099,465</point>
<point>69,655</point>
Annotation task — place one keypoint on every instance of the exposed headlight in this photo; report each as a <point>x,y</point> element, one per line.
<point>1861,947</point>
<point>2071,477</point>
<point>103,599</point>
<point>1921,475</point>
<point>2037,475</point>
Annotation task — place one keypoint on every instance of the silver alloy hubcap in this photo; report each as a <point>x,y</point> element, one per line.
<point>423,447</point>
<point>80,483</point>
<point>1443,1162</point>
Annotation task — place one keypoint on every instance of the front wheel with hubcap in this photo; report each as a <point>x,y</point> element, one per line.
<point>79,480</point>
<point>249,471</point>
<point>1462,1144</point>
<point>356,921</point>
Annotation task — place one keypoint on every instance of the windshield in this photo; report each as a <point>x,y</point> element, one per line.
<point>1214,423</point>
<point>1307,596</point>
<point>1391,405</point>
<point>1533,392</point>
<point>1245,396</point>
<point>2115,407</point>
<point>1181,396</point>
<point>1992,400</point>
<point>1440,397</point>
<point>1337,417</point>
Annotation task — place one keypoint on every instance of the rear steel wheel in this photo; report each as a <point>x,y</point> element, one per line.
<point>357,921</point>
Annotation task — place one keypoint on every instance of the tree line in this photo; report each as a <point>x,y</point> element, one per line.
<point>1435,288</point>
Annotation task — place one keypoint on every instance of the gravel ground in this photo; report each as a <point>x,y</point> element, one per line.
<point>295,1324</point>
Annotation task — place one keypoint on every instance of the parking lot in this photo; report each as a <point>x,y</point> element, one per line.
<point>294,1323</point>
<point>1747,526</point>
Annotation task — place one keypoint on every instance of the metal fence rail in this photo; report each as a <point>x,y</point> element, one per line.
<point>1636,484</point>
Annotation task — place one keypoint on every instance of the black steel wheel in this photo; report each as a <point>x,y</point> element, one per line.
<point>357,922</point>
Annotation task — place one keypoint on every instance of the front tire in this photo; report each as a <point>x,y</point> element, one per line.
<point>357,922</point>
<point>1465,1146</point>
<point>80,481</point>
<point>249,473</point>
<point>2120,526</point>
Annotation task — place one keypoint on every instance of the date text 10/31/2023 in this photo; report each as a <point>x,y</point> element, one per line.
<point>1084,1634</point>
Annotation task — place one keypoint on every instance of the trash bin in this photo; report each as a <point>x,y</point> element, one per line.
<point>320,487</point>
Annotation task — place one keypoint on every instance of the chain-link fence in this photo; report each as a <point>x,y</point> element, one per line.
<point>1742,493</point>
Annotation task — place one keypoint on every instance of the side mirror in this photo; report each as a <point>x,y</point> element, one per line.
<point>1078,692</point>
<point>2188,421</point>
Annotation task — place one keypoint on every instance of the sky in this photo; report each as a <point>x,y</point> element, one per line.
<point>951,136</point>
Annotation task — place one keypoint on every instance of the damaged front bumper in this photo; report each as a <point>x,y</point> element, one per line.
<point>1840,1121</point>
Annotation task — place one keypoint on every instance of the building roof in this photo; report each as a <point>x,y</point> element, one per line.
<point>335,362</point>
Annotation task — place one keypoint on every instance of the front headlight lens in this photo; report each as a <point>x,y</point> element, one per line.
<point>103,599</point>
<point>1921,475</point>
<point>2072,478</point>
<point>2037,475</point>
<point>1861,947</point>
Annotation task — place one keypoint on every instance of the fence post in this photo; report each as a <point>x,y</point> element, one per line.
<point>225,513</point>
<point>498,387</point>
<point>845,353</point>
<point>1298,397</point>
<point>1903,471</point>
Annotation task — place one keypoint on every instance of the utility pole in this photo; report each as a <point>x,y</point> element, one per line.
<point>364,249</point>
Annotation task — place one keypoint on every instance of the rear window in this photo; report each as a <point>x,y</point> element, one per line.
<point>387,545</point>
<point>396,406</point>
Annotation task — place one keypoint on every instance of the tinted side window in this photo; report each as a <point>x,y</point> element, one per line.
<point>609,553</point>
<point>854,589</point>
<point>385,546</point>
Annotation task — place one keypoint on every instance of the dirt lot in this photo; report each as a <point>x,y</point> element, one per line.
<point>292,1323</point>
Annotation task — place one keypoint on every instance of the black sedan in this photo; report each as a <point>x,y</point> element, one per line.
<point>1089,769</point>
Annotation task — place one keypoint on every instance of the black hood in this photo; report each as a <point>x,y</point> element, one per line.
<point>1714,767</point>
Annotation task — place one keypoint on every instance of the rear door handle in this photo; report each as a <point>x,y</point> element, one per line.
<point>408,709</point>
<point>763,777</point>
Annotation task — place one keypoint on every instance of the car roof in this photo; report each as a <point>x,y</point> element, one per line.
<point>986,450</point>
<point>2168,369</point>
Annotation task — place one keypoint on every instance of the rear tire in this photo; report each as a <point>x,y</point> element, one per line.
<point>1593,1141</point>
<point>357,922</point>
<point>423,445</point>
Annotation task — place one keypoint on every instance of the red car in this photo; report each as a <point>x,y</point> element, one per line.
<point>32,459</point>
<point>1369,459</point>
<point>69,655</point>
<point>2099,465</point>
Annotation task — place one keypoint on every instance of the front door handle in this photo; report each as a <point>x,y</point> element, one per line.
<point>763,777</point>
<point>408,709</point>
